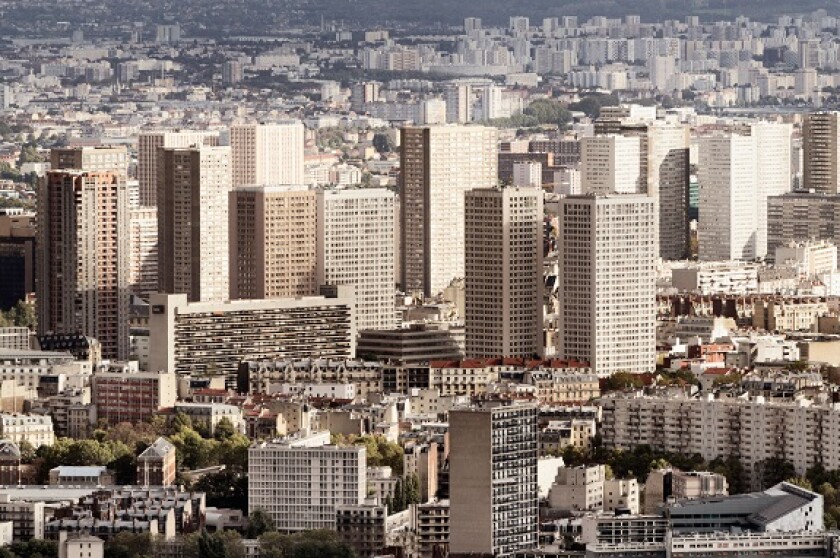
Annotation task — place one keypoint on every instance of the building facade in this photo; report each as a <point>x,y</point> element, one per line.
<point>493,480</point>
<point>148,146</point>
<point>438,165</point>
<point>273,246</point>
<point>607,253</point>
<point>356,248</point>
<point>504,272</point>
<point>267,153</point>
<point>83,257</point>
<point>193,188</point>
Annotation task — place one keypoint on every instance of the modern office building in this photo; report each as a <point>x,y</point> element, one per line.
<point>667,165</point>
<point>83,257</point>
<point>356,248</point>
<point>17,256</point>
<point>193,189</point>
<point>414,344</point>
<point>267,153</point>
<point>438,165</point>
<point>148,146</point>
<point>214,337</point>
<point>302,482</point>
<point>607,258</point>
<point>821,152</point>
<point>493,480</point>
<point>273,246</point>
<point>610,165</point>
<point>504,272</point>
<point>143,246</point>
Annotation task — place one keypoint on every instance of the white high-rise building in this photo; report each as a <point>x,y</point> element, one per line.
<point>728,190</point>
<point>355,246</point>
<point>667,182</point>
<point>143,245</point>
<point>301,482</point>
<point>438,165</point>
<point>148,145</point>
<point>458,97</point>
<point>193,188</point>
<point>267,153</point>
<point>504,270</point>
<point>662,70</point>
<point>607,258</point>
<point>738,172</point>
<point>610,164</point>
<point>773,176</point>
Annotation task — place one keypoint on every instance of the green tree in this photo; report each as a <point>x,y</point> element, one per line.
<point>382,142</point>
<point>548,111</point>
<point>225,489</point>
<point>259,523</point>
<point>224,429</point>
<point>591,104</point>
<point>399,496</point>
<point>412,489</point>
<point>621,381</point>
<point>129,545</point>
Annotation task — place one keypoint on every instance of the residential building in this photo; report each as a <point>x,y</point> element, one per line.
<point>821,152</point>
<point>273,242</point>
<point>27,517</point>
<point>132,396</point>
<point>143,246</point>
<point>493,480</point>
<point>578,489</point>
<point>83,257</point>
<point>35,429</point>
<point>608,302</point>
<point>302,482</point>
<point>811,258</point>
<point>800,217</point>
<point>267,153</point>
<point>185,335</point>
<point>148,146</point>
<point>355,247</point>
<point>193,189</point>
<point>504,272</point>
<point>438,165</point>
<point>707,278</point>
<point>432,525</point>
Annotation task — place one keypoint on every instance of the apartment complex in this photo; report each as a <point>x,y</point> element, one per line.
<point>267,153</point>
<point>143,246</point>
<point>493,480</point>
<point>666,148</point>
<point>796,217</point>
<point>132,396</point>
<point>752,431</point>
<point>504,272</point>
<point>273,246</point>
<point>821,152</point>
<point>356,231</point>
<point>438,165</point>
<point>83,257</point>
<point>302,482</point>
<point>607,253</point>
<point>35,429</point>
<point>213,338</point>
<point>193,188</point>
<point>148,146</point>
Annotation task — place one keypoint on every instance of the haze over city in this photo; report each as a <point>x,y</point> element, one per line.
<point>357,279</point>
